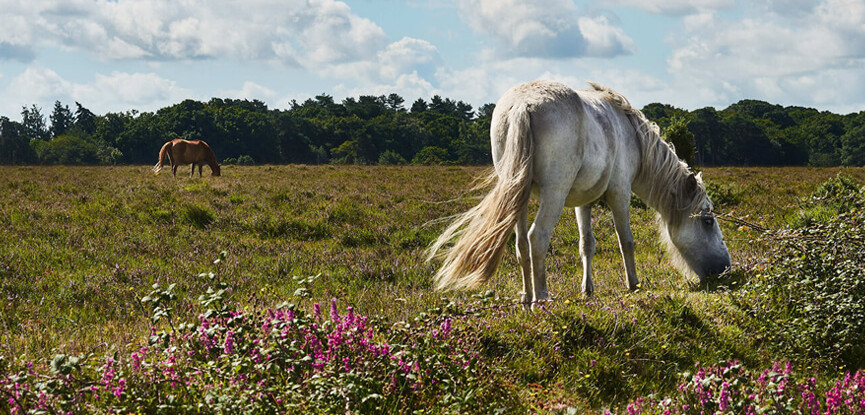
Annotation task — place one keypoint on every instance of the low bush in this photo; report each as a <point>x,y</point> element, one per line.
<point>811,298</point>
<point>729,388</point>
<point>284,359</point>
<point>724,195</point>
<point>197,216</point>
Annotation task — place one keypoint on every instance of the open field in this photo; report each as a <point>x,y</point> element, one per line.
<point>81,246</point>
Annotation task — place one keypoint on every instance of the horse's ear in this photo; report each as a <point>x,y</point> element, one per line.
<point>691,184</point>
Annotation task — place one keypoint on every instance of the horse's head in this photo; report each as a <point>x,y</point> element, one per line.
<point>216,170</point>
<point>694,238</point>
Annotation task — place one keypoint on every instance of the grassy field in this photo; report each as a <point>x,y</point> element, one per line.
<point>81,246</point>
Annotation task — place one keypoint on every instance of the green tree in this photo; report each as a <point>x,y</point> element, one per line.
<point>68,149</point>
<point>395,103</point>
<point>708,136</point>
<point>14,145</point>
<point>188,120</point>
<point>242,127</point>
<point>853,143</point>
<point>33,124</point>
<point>85,119</point>
<point>661,114</point>
<point>419,106</point>
<point>486,111</point>
<point>430,155</point>
<point>748,145</point>
<point>61,119</point>
<point>142,139</point>
<point>677,133</point>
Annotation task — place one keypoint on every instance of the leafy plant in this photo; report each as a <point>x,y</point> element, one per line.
<point>729,388</point>
<point>197,216</point>
<point>811,298</point>
<point>275,360</point>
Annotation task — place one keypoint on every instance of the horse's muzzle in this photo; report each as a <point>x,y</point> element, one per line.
<point>716,267</point>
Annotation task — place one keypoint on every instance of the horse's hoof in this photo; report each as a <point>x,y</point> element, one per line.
<point>541,303</point>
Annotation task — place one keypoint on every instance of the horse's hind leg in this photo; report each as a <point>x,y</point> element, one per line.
<point>523,256</point>
<point>549,210</point>
<point>587,246</point>
<point>199,169</point>
<point>620,205</point>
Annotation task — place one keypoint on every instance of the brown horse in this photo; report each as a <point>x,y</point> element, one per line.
<point>196,152</point>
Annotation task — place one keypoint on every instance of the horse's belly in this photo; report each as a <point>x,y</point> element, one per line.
<point>582,197</point>
<point>590,184</point>
<point>577,197</point>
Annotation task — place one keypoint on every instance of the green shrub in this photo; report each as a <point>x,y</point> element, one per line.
<point>282,359</point>
<point>295,229</point>
<point>811,300</point>
<point>391,157</point>
<point>836,195</point>
<point>197,216</point>
<point>242,160</point>
<point>430,156</point>
<point>724,194</point>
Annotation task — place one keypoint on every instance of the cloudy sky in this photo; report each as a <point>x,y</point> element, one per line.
<point>115,56</point>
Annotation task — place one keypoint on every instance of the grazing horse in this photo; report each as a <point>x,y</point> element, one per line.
<point>572,148</point>
<point>196,152</point>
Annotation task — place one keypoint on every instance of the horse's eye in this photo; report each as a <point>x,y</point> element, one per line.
<point>709,221</point>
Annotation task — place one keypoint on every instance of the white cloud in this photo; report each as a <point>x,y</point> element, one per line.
<point>409,55</point>
<point>813,56</point>
<point>543,28</point>
<point>409,67</point>
<point>117,91</point>
<point>251,90</point>
<point>604,39</point>
<point>297,32</point>
<point>677,7</point>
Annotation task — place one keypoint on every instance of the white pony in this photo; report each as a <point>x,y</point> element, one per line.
<point>571,148</point>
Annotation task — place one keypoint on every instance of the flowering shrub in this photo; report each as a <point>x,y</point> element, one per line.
<point>730,389</point>
<point>277,360</point>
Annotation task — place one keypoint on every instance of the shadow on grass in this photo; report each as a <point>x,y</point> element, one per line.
<point>731,280</point>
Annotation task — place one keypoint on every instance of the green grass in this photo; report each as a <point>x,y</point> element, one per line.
<point>80,246</point>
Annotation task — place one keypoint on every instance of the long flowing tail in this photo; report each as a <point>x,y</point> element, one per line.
<point>162,153</point>
<point>482,232</point>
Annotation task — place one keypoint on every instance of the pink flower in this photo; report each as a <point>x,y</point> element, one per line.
<point>229,342</point>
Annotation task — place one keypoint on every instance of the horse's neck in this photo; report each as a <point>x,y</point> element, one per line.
<point>210,158</point>
<point>659,178</point>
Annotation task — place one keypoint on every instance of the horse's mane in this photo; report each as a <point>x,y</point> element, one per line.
<point>664,175</point>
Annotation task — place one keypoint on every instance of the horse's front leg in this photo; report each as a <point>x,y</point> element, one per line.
<point>524,257</point>
<point>587,246</point>
<point>192,172</point>
<point>620,205</point>
<point>200,166</point>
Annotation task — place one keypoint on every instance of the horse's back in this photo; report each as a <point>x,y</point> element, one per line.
<point>191,151</point>
<point>579,144</point>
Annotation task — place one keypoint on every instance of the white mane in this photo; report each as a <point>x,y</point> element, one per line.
<point>663,173</point>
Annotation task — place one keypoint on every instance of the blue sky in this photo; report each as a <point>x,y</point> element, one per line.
<point>115,56</point>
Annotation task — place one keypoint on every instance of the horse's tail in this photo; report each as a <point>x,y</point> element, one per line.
<point>162,153</point>
<point>482,232</point>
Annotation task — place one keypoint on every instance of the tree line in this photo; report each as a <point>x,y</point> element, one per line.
<point>384,130</point>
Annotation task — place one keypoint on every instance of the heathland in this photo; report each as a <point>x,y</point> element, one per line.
<point>125,291</point>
